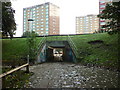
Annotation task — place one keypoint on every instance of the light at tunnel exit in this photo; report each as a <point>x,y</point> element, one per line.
<point>58,54</point>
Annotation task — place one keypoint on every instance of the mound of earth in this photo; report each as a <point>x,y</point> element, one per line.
<point>96,42</point>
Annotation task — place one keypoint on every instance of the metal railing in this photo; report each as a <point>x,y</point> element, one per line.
<point>58,38</point>
<point>73,46</point>
<point>39,47</point>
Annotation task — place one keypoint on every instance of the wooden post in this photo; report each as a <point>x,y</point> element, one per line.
<point>28,59</point>
<point>27,67</point>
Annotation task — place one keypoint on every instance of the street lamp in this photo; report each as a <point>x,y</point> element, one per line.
<point>30,20</point>
<point>28,37</point>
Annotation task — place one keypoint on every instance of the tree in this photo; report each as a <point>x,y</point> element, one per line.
<point>31,43</point>
<point>111,13</point>
<point>27,33</point>
<point>8,21</point>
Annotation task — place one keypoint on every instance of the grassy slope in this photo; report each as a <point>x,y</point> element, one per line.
<point>103,54</point>
<point>11,49</point>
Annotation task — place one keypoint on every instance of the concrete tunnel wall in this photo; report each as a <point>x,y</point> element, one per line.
<point>46,53</point>
<point>42,55</point>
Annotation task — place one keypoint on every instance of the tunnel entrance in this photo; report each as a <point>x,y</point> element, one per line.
<point>55,54</point>
<point>56,51</point>
<point>59,51</point>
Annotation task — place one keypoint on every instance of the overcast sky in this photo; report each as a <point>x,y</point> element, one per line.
<point>69,9</point>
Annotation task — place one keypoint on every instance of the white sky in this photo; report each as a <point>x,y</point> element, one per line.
<point>69,9</point>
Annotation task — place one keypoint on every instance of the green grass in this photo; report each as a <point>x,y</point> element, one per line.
<point>15,80</point>
<point>105,54</point>
<point>15,49</point>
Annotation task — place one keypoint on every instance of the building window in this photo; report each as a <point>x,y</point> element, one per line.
<point>33,14</point>
<point>46,19</point>
<point>42,19</point>
<point>37,7</point>
<point>34,18</point>
<point>102,23</point>
<point>37,13</point>
<point>102,1</point>
<point>28,10</point>
<point>24,11</point>
<point>46,16</point>
<point>46,12</point>
<point>33,26</point>
<point>46,22</point>
<point>42,25</point>
<point>42,16</point>
<point>46,6</point>
<point>102,6</point>
<point>47,26</point>
<point>95,26</point>
<point>33,8</point>
<point>41,28</point>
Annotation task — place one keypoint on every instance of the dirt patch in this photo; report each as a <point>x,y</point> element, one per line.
<point>96,42</point>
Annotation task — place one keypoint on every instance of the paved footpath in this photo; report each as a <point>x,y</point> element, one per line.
<point>69,75</point>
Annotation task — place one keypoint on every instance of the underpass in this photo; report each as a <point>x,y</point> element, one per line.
<point>59,69</point>
<point>56,51</point>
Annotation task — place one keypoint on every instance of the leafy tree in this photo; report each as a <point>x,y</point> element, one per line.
<point>31,43</point>
<point>111,13</point>
<point>27,33</point>
<point>8,21</point>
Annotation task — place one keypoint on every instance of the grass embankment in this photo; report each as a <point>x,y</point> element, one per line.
<point>104,54</point>
<point>15,49</point>
<point>100,53</point>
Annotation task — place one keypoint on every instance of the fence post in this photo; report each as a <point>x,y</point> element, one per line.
<point>27,67</point>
